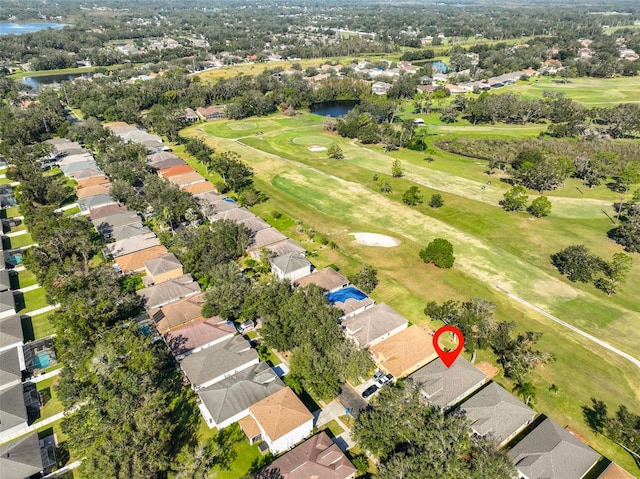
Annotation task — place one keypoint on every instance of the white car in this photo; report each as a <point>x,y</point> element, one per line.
<point>386,379</point>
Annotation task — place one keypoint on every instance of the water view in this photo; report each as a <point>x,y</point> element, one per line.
<point>7,28</point>
<point>37,82</point>
<point>333,109</point>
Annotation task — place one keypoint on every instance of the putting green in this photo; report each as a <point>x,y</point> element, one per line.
<point>311,140</point>
<point>241,126</point>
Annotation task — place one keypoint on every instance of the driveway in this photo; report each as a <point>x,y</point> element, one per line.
<point>352,400</point>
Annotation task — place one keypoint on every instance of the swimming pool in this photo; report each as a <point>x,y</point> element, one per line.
<point>14,259</point>
<point>343,294</point>
<point>42,360</point>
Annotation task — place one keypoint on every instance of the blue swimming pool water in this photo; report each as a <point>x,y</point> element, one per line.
<point>343,294</point>
<point>14,259</point>
<point>42,360</point>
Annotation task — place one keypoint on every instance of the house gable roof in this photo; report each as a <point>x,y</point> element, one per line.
<point>237,214</point>
<point>317,457</point>
<point>176,170</point>
<point>91,202</point>
<point>280,413</point>
<point>7,301</point>
<point>290,262</point>
<point>123,232</point>
<point>132,245</point>
<point>93,181</point>
<point>12,409</point>
<point>613,471</point>
<point>186,179</point>
<point>218,360</point>
<point>549,451</point>
<point>10,331</point>
<point>200,187</point>
<point>373,323</point>
<point>21,458</point>
<point>327,279</point>
<point>107,223</point>
<point>442,385</point>
<point>237,393</point>
<point>496,412</point>
<point>135,261</point>
<point>163,264</point>
<point>167,292</point>
<point>264,238</point>
<point>405,351</point>
<point>109,210</point>
<point>10,366</point>
<point>286,246</point>
<point>198,333</point>
<point>5,280</point>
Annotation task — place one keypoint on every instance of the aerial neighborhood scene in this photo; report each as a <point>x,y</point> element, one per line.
<point>282,239</point>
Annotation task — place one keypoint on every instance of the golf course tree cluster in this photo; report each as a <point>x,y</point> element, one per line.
<point>438,252</point>
<point>366,279</point>
<point>414,440</point>
<point>115,377</point>
<point>516,199</point>
<point>335,152</point>
<point>533,170</point>
<point>623,427</point>
<point>476,319</point>
<point>627,233</point>
<point>412,196</point>
<point>579,264</point>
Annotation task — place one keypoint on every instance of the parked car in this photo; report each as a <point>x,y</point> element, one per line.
<point>369,391</point>
<point>378,375</point>
<point>245,326</point>
<point>386,379</point>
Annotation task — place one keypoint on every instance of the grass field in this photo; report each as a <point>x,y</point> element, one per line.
<point>492,247</point>
<point>31,300</point>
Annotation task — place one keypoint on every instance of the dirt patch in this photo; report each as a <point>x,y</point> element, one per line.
<point>374,239</point>
<point>316,148</point>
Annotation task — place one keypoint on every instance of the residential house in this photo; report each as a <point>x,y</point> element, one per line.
<point>11,335</point>
<point>408,67</point>
<point>446,386</point>
<point>404,352</point>
<point>177,312</point>
<point>426,89</point>
<point>190,115</point>
<point>551,452</point>
<point>163,269</point>
<point>215,207</point>
<point>613,471</point>
<point>11,366</point>
<point>328,279</point>
<point>124,232</point>
<point>22,458</point>
<point>187,179</point>
<point>132,245</point>
<point>237,214</point>
<point>211,112</point>
<point>496,413</point>
<point>169,291</point>
<point>94,190</point>
<point>13,412</point>
<point>229,400</point>
<point>82,157</point>
<point>374,325</point>
<point>263,239</point>
<point>219,361</point>
<point>70,169</point>
<point>5,280</point>
<point>208,198</point>
<point>200,187</point>
<point>164,159</point>
<point>454,89</point>
<point>290,266</point>
<point>197,335</point>
<point>283,247</point>
<point>380,88</point>
<point>109,210</point>
<point>254,224</point>
<point>106,225</point>
<point>175,170</point>
<point>85,173</point>
<point>317,457</point>
<point>96,180</point>
<point>7,304</point>
<point>91,202</point>
<point>350,301</point>
<point>135,261</point>
<point>280,420</point>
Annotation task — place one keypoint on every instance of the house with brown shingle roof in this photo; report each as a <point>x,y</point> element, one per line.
<point>87,191</point>
<point>211,112</point>
<point>109,210</point>
<point>403,353</point>
<point>175,170</point>
<point>96,180</point>
<point>317,457</point>
<point>200,187</point>
<point>328,279</point>
<point>613,471</point>
<point>186,179</point>
<point>135,261</point>
<point>176,313</point>
<point>197,335</point>
<point>280,420</point>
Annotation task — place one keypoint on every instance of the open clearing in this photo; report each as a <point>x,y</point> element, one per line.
<point>311,140</point>
<point>374,239</point>
<point>492,248</point>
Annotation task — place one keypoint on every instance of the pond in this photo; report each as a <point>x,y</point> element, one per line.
<point>37,82</point>
<point>7,28</point>
<point>333,109</point>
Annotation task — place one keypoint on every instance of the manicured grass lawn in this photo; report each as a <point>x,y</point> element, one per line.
<point>5,181</point>
<point>71,211</point>
<point>52,405</point>
<point>246,456</point>
<point>31,300</point>
<point>20,240</point>
<point>22,279</point>
<point>12,212</point>
<point>492,248</point>
<point>333,427</point>
<point>40,325</point>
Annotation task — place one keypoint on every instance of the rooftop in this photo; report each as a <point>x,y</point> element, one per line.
<point>163,264</point>
<point>177,312</point>
<point>328,279</point>
<point>198,333</point>
<point>290,262</point>
<point>168,291</point>
<point>10,331</point>
<point>373,323</point>
<point>135,261</point>
<point>21,458</point>
<point>280,413</point>
<point>132,245</point>
<point>405,352</point>
<point>12,409</point>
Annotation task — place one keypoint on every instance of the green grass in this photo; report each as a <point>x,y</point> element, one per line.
<point>71,211</point>
<point>5,181</point>
<point>52,405</point>
<point>492,248</point>
<point>22,279</point>
<point>246,456</point>
<point>31,300</point>
<point>20,240</point>
<point>12,212</point>
<point>333,428</point>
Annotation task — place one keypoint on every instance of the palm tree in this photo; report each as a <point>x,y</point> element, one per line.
<point>526,390</point>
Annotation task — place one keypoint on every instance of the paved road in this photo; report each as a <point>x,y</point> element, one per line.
<point>351,399</point>
<point>604,344</point>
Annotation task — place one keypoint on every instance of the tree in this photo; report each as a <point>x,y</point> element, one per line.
<point>226,293</point>
<point>515,199</point>
<point>335,152</point>
<point>526,390</point>
<point>538,172</point>
<point>396,169</point>
<point>366,279</point>
<point>412,196</point>
<point>438,252</point>
<point>436,201</point>
<point>385,186</point>
<point>615,273</point>
<point>540,207</point>
<point>577,263</point>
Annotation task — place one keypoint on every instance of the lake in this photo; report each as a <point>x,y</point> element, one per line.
<point>333,109</point>
<point>37,82</point>
<point>18,28</point>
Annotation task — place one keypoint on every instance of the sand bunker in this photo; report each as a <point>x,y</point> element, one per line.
<point>374,239</point>
<point>316,148</point>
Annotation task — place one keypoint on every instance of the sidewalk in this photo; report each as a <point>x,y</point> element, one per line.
<point>27,288</point>
<point>41,310</point>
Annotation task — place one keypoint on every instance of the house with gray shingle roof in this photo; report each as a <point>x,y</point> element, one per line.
<point>21,458</point>
<point>124,232</point>
<point>283,247</point>
<point>13,412</point>
<point>132,245</point>
<point>7,304</point>
<point>444,386</point>
<point>76,166</point>
<point>290,266</point>
<point>5,280</point>
<point>373,325</point>
<point>328,279</point>
<point>11,335</point>
<point>85,173</point>
<point>551,452</point>
<point>162,269</point>
<point>11,366</point>
<point>237,214</point>
<point>229,400</point>
<point>168,291</point>
<point>218,362</point>
<point>87,204</point>
<point>106,225</point>
<point>494,412</point>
